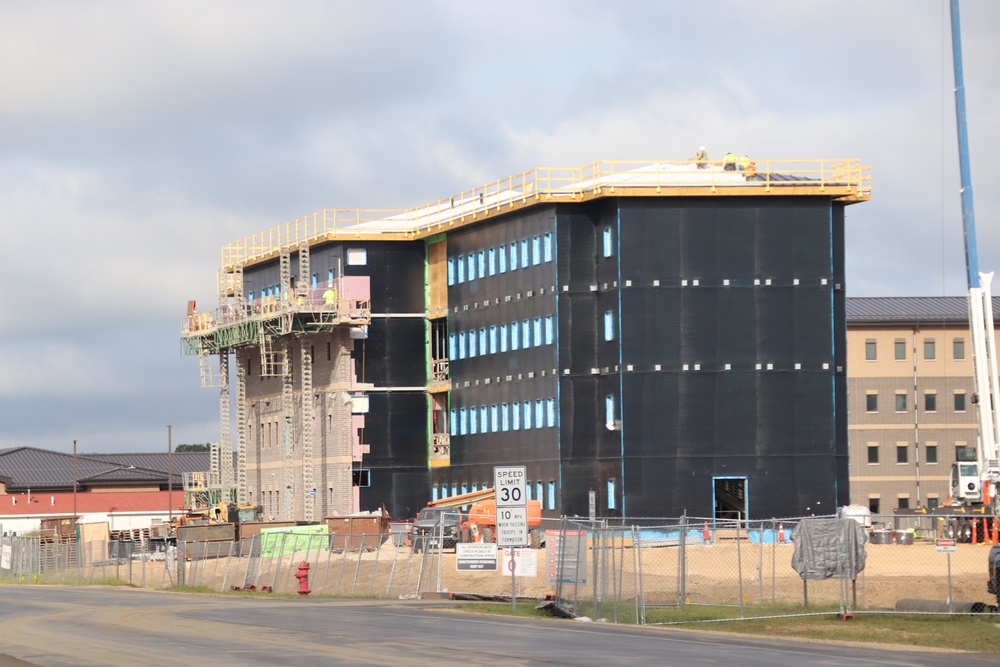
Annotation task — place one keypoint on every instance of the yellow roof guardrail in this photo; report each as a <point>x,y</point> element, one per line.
<point>843,179</point>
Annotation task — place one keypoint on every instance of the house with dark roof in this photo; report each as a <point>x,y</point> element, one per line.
<point>126,490</point>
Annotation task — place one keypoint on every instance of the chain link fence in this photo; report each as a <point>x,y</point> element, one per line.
<point>623,570</point>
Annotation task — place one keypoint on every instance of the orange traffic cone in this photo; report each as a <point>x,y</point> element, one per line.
<point>781,533</point>
<point>994,530</point>
<point>705,535</point>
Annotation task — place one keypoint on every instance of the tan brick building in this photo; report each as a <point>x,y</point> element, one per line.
<point>910,391</point>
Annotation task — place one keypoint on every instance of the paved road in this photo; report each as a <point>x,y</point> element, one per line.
<point>80,626</point>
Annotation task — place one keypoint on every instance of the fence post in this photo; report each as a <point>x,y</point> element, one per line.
<point>681,561</point>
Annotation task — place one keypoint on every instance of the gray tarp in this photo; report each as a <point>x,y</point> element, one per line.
<point>829,548</point>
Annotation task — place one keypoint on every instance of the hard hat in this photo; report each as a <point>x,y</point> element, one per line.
<point>701,148</point>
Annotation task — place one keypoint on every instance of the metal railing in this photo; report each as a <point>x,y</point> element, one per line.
<point>845,178</point>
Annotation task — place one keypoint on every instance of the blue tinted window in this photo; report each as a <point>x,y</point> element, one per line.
<point>494,418</point>
<point>525,259</point>
<point>536,250</point>
<point>609,325</point>
<point>460,265</point>
<point>504,417</point>
<point>550,412</point>
<point>493,261</point>
<point>463,422</point>
<point>453,422</point>
<point>547,247</point>
<point>472,345</point>
<point>493,339</point>
<point>473,422</point>
<point>483,416</point>
<point>525,334</point>
<point>527,415</point>
<point>606,241</point>
<point>550,330</point>
<point>451,347</point>
<point>515,335</point>
<point>482,264</point>
<point>515,417</point>
<point>503,258</point>
<point>461,345</point>
<point>503,337</point>
<point>471,266</point>
<point>538,331</point>
<point>513,256</point>
<point>539,413</point>
<point>451,271</point>
<point>482,340</point>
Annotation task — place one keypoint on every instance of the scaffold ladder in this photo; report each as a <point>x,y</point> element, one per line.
<point>241,434</point>
<point>207,372</point>
<point>304,270</point>
<point>308,487</point>
<point>225,439</point>
<point>271,361</point>
<point>287,409</point>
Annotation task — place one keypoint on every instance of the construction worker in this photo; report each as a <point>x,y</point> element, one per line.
<point>742,163</point>
<point>330,296</point>
<point>729,162</point>
<point>701,157</point>
<point>750,170</point>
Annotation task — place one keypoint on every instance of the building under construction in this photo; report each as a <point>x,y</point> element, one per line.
<point>670,336</point>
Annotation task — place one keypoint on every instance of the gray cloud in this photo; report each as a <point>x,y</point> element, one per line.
<point>138,138</point>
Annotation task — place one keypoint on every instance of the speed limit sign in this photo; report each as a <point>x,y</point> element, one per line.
<point>510,486</point>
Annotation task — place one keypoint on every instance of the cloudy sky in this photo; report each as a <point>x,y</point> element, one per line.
<point>136,138</point>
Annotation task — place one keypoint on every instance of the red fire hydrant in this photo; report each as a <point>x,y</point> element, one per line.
<point>303,576</point>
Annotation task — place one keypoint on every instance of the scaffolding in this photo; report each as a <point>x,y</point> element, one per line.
<point>209,488</point>
<point>272,325</point>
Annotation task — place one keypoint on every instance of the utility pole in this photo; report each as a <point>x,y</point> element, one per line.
<point>75,516</point>
<point>170,476</point>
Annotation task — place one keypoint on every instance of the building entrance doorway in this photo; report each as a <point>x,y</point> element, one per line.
<point>730,498</point>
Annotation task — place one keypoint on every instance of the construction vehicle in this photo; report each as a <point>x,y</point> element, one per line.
<point>476,516</point>
<point>229,515</point>
<point>973,483</point>
<point>436,524</point>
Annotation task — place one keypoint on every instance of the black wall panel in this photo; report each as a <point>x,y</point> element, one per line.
<point>396,431</point>
<point>393,354</point>
<point>729,330</point>
<point>396,269</point>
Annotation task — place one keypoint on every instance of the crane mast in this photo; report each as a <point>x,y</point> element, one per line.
<point>975,483</point>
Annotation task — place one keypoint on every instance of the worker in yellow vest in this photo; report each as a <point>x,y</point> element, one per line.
<point>729,162</point>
